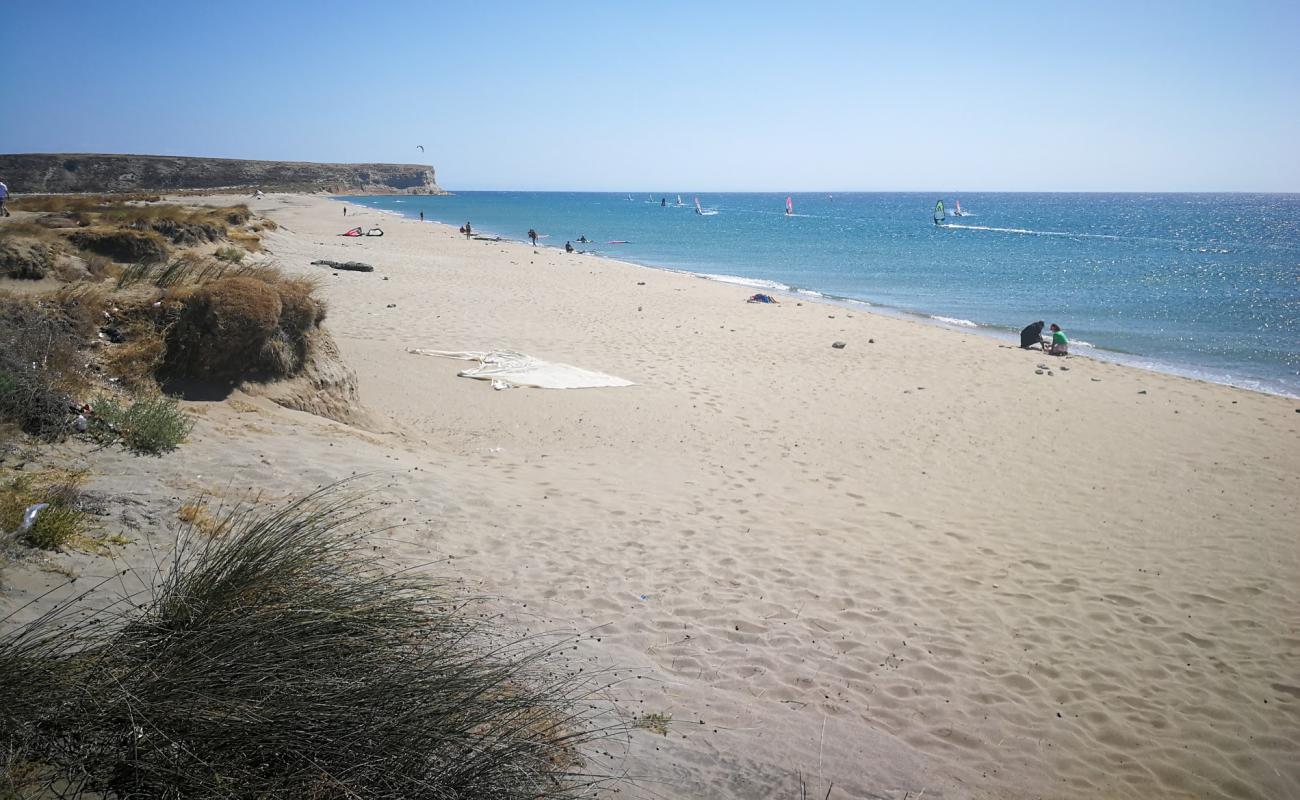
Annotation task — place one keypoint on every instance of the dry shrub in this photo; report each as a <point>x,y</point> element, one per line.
<point>25,258</point>
<point>81,305</point>
<point>183,232</point>
<point>57,203</point>
<point>136,361</point>
<point>223,328</point>
<point>249,241</point>
<point>98,266</point>
<point>253,324</point>
<point>39,362</point>
<point>200,517</point>
<point>232,255</point>
<point>70,269</point>
<point>125,245</point>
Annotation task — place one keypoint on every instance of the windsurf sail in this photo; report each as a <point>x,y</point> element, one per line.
<point>698,210</point>
<point>679,200</point>
<point>789,206</point>
<point>939,216</point>
<point>958,212</point>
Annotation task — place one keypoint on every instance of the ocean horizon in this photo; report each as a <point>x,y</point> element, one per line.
<point>1196,284</point>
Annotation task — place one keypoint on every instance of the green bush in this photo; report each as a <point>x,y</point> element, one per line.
<point>146,424</point>
<point>55,526</point>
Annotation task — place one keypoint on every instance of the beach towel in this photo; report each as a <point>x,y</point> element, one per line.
<point>506,370</point>
<point>761,298</point>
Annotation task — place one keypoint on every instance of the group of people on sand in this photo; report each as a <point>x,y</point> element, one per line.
<point>1055,345</point>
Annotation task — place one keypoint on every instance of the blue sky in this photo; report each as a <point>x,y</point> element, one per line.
<point>965,96</point>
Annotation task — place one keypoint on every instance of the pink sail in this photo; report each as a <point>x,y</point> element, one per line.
<point>789,206</point>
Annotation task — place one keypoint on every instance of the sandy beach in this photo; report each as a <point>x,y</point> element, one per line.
<point>912,566</point>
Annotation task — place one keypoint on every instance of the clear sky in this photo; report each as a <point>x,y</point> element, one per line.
<point>647,96</point>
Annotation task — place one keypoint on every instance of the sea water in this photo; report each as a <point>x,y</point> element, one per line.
<point>1206,285</point>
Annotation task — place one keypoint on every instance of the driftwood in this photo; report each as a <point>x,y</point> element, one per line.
<point>354,266</point>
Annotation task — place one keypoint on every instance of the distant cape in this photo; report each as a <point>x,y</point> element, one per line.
<point>55,173</point>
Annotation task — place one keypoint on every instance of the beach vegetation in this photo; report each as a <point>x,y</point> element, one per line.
<point>148,422</point>
<point>40,364</point>
<point>283,660</point>
<point>125,245</point>
<point>61,522</point>
<point>25,258</point>
<point>255,324</point>
<point>655,723</point>
<point>231,254</point>
<point>199,515</point>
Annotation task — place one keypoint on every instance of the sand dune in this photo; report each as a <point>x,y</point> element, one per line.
<point>911,564</point>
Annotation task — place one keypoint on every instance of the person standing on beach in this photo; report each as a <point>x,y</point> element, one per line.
<point>422,216</point>
<point>345,211</point>
<point>4,197</point>
<point>532,234</point>
<point>468,230</point>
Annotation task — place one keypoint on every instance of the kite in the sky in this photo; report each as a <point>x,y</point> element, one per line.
<point>421,147</point>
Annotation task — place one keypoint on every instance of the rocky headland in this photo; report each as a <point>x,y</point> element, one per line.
<point>55,173</point>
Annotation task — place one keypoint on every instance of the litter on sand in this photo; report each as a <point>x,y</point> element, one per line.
<point>353,266</point>
<point>506,370</point>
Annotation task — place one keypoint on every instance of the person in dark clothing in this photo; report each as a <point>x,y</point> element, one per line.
<point>468,230</point>
<point>1032,336</point>
<point>568,247</point>
<point>532,234</point>
<point>422,216</point>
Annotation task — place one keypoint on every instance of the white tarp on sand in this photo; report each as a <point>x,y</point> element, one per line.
<point>506,369</point>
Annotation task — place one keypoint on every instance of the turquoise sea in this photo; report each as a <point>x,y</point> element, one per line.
<point>1206,285</point>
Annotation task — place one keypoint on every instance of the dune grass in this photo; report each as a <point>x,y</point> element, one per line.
<point>282,660</point>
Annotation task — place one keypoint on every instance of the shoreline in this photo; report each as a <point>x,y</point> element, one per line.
<point>995,332</point>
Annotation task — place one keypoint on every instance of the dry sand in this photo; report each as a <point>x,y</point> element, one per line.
<point>906,566</point>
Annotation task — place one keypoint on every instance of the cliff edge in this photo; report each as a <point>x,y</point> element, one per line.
<point>55,173</point>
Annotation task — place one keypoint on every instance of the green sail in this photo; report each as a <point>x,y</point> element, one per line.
<point>939,216</point>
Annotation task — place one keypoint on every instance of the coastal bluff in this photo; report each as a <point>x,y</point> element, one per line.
<point>56,173</point>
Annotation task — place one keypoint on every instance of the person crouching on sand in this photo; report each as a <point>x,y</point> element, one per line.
<point>1060,344</point>
<point>1032,336</point>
